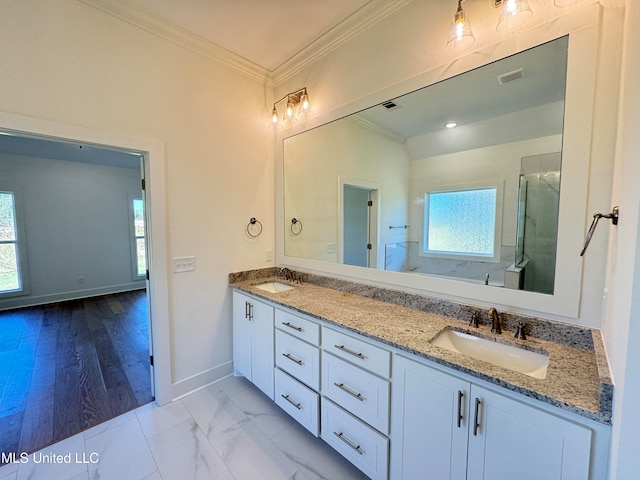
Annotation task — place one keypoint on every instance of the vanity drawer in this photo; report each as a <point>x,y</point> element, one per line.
<point>359,392</point>
<point>361,353</point>
<point>357,442</point>
<point>298,358</point>
<point>299,401</point>
<point>298,327</point>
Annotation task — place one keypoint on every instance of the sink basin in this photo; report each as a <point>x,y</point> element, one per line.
<point>511,357</point>
<point>275,287</point>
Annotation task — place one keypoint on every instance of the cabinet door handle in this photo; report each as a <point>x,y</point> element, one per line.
<point>476,419</point>
<point>354,394</point>
<point>460,416</point>
<point>293,359</point>
<point>349,351</point>
<point>287,324</point>
<point>251,311</point>
<point>246,309</point>
<point>349,442</point>
<point>288,399</point>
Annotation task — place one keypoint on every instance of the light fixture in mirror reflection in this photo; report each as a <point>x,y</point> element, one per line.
<point>350,180</point>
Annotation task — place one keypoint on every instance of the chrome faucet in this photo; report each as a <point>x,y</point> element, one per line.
<point>486,279</point>
<point>495,321</point>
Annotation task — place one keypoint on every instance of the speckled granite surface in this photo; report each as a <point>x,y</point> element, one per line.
<point>577,379</point>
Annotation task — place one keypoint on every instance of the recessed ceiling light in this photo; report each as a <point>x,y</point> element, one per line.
<point>451,124</point>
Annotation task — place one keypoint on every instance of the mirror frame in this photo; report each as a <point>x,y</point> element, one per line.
<point>583,32</point>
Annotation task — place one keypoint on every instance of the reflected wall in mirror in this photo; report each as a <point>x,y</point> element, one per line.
<point>392,188</point>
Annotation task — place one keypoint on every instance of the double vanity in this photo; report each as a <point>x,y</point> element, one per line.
<point>400,384</point>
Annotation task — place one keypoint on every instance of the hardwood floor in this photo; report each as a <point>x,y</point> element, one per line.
<point>69,366</point>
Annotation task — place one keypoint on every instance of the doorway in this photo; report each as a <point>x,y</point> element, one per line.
<point>358,222</point>
<point>99,337</point>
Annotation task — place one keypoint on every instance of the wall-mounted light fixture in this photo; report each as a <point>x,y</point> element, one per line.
<point>460,35</point>
<point>513,13</point>
<point>298,108</point>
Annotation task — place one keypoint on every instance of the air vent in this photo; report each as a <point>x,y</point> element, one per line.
<point>511,76</point>
<point>390,105</point>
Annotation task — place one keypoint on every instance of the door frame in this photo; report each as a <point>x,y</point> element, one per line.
<point>152,153</point>
<point>374,233</point>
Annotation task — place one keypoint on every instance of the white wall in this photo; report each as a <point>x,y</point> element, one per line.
<point>77,226</point>
<point>70,63</point>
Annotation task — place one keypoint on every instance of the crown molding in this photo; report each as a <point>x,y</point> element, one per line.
<point>359,21</point>
<point>182,37</point>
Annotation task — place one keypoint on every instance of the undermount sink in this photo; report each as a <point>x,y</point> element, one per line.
<point>275,287</point>
<point>511,357</point>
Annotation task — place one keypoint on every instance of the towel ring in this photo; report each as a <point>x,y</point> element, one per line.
<point>295,231</point>
<point>254,222</point>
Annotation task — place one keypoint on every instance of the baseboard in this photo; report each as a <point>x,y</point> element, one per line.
<point>201,380</point>
<point>33,300</point>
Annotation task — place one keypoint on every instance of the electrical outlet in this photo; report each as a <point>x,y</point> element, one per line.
<point>184,264</point>
<point>268,255</point>
<point>332,248</point>
<point>80,280</point>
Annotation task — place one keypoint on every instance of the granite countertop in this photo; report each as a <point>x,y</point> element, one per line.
<point>577,377</point>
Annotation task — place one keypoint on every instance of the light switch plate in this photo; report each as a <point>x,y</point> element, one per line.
<point>184,264</point>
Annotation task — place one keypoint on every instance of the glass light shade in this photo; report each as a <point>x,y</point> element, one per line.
<point>305,112</point>
<point>460,35</point>
<point>274,115</point>
<point>290,108</point>
<point>304,102</point>
<point>513,14</point>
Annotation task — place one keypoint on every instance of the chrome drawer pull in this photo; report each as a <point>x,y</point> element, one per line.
<point>352,352</point>
<point>349,391</point>
<point>287,324</point>
<point>286,397</point>
<point>293,359</point>
<point>349,442</point>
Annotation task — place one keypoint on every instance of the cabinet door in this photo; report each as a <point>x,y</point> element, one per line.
<point>515,440</point>
<point>241,335</point>
<point>429,424</point>
<point>262,347</point>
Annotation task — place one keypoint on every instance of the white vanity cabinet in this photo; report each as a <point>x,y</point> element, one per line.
<point>253,341</point>
<point>447,427</point>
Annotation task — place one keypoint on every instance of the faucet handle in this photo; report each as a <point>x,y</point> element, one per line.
<point>475,320</point>
<point>520,332</point>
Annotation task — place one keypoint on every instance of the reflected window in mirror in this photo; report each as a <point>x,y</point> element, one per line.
<point>462,224</point>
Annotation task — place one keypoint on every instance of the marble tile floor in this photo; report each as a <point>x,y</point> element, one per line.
<point>227,431</point>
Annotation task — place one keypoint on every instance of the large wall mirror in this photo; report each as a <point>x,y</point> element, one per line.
<point>397,187</point>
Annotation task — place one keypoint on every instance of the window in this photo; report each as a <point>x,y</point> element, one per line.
<point>139,247</point>
<point>12,276</point>
<point>463,223</point>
